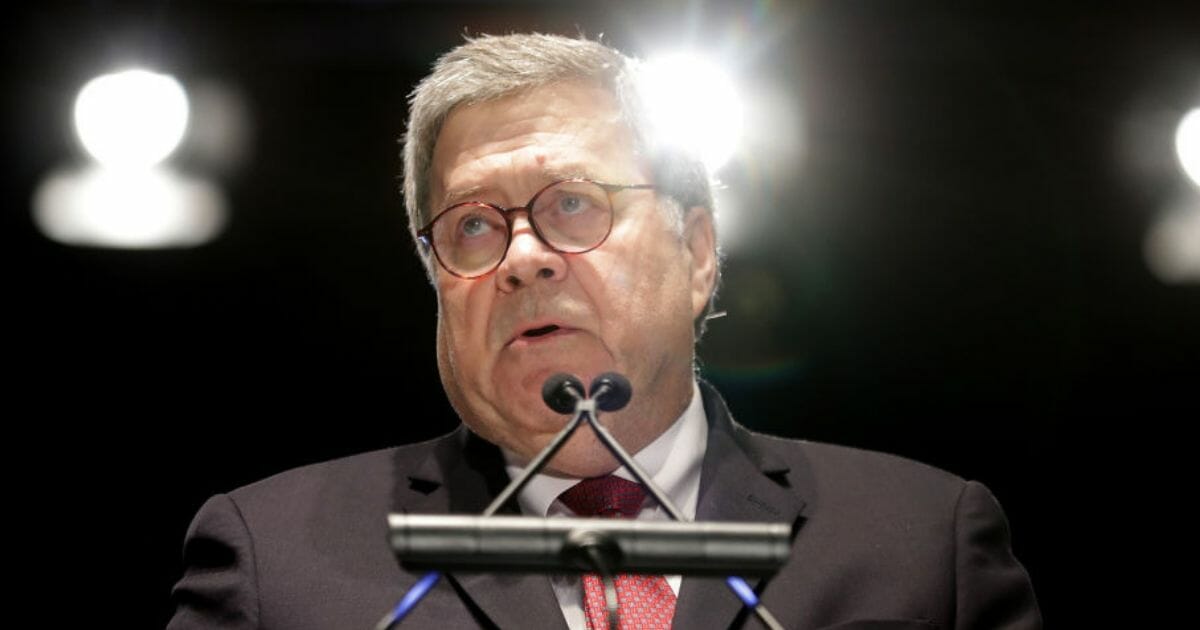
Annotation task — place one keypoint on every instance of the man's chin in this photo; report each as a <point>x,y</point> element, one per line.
<point>582,456</point>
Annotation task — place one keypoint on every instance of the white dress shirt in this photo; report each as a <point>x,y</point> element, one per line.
<point>672,460</point>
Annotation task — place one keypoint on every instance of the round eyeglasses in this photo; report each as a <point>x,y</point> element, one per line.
<point>570,216</point>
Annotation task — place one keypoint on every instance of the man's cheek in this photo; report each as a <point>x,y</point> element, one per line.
<point>619,280</point>
<point>453,317</point>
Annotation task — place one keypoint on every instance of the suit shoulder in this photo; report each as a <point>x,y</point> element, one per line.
<point>848,466</point>
<point>368,472</point>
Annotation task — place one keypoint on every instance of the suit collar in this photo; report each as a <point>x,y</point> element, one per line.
<point>461,475</point>
<point>742,479</point>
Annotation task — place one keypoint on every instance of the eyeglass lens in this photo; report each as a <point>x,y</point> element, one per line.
<point>570,217</point>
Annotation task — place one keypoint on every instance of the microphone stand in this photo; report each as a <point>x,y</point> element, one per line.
<point>610,392</point>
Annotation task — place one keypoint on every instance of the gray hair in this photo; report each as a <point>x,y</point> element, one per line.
<point>490,67</point>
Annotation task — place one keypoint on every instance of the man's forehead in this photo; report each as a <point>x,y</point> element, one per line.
<point>558,131</point>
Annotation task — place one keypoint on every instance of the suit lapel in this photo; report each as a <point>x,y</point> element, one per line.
<point>462,475</point>
<point>738,482</point>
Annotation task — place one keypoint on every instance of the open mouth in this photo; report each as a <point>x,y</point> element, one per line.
<point>538,332</point>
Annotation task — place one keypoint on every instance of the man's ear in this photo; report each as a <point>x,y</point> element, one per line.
<point>700,238</point>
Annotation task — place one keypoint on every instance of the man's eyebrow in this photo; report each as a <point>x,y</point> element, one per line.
<point>465,194</point>
<point>549,174</point>
<point>554,174</point>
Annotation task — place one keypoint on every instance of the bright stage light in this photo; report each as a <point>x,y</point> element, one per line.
<point>131,119</point>
<point>128,208</point>
<point>1187,144</point>
<point>694,105</point>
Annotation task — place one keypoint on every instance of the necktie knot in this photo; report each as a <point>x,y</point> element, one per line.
<point>608,496</point>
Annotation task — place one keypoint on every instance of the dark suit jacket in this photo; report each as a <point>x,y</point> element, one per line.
<point>880,542</point>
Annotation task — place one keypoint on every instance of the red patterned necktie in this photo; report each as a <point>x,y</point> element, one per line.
<point>646,602</point>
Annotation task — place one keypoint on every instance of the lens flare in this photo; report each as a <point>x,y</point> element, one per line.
<point>128,208</point>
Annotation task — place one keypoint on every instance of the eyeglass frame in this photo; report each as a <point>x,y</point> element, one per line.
<point>425,234</point>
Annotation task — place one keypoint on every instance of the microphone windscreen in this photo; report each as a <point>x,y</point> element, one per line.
<point>617,393</point>
<point>561,391</point>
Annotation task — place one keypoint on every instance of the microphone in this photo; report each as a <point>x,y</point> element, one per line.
<point>611,391</point>
<point>561,391</point>
<point>492,543</point>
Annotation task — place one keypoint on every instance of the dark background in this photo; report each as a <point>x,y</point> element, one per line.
<point>951,268</point>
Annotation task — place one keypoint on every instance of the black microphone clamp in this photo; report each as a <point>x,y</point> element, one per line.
<point>611,391</point>
<point>564,393</point>
<point>561,392</point>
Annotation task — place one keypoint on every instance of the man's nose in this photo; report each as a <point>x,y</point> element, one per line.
<point>528,259</point>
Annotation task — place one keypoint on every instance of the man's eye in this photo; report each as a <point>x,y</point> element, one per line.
<point>573,204</point>
<point>474,226</point>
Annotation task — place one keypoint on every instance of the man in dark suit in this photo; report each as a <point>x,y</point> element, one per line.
<point>561,237</point>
